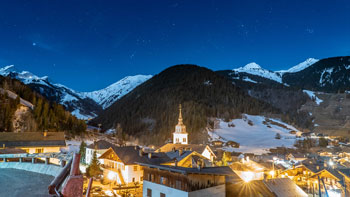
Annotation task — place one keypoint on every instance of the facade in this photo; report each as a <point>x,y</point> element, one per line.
<point>100,147</point>
<point>33,142</point>
<point>170,181</point>
<point>120,164</point>
<point>180,136</point>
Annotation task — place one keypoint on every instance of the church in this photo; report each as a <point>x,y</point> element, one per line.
<point>180,136</point>
<point>180,142</point>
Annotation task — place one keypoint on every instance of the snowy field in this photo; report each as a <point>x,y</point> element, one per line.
<point>256,138</point>
<point>19,183</point>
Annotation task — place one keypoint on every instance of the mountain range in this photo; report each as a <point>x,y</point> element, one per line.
<point>83,105</point>
<point>145,104</point>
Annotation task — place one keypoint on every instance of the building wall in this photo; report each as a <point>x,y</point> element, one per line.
<point>158,188</point>
<point>180,136</point>
<point>32,150</point>
<point>206,153</point>
<point>217,191</point>
<point>90,153</point>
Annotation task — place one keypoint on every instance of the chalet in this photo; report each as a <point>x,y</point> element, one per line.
<point>160,180</point>
<point>100,147</point>
<point>33,142</point>
<point>296,157</point>
<point>121,163</point>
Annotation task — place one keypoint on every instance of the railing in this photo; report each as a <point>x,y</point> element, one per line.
<point>69,183</point>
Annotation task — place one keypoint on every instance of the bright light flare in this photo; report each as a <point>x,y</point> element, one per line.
<point>111,175</point>
<point>247,176</point>
<point>272,173</point>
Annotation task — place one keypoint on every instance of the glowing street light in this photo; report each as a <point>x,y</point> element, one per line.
<point>247,176</point>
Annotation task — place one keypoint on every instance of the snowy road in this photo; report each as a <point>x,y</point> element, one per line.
<point>23,183</point>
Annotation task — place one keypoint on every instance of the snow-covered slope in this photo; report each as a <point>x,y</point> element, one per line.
<point>255,134</point>
<point>301,66</point>
<point>254,69</point>
<point>107,96</point>
<point>83,105</point>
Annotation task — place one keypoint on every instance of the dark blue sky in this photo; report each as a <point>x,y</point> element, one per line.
<point>88,45</point>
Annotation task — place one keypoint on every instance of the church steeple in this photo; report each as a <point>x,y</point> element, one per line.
<point>180,134</point>
<point>180,116</point>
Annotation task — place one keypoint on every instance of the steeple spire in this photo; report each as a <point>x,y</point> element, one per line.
<point>180,115</point>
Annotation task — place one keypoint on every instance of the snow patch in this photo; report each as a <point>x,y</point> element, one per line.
<point>257,137</point>
<point>313,96</point>
<point>254,69</point>
<point>301,66</point>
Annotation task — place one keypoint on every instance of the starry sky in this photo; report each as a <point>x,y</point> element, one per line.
<point>87,45</point>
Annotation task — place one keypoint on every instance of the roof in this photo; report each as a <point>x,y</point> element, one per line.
<point>11,151</point>
<point>101,144</point>
<point>284,187</point>
<point>175,155</point>
<point>32,139</point>
<point>222,170</point>
<point>199,148</point>
<point>130,155</point>
<point>346,172</point>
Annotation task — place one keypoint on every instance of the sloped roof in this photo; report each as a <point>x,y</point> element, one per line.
<point>130,155</point>
<point>12,151</point>
<point>32,139</point>
<point>101,144</point>
<point>199,148</point>
<point>284,187</point>
<point>222,170</point>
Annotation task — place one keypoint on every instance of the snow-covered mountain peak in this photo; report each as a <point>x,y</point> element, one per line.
<point>255,69</point>
<point>252,65</point>
<point>7,69</point>
<point>301,66</point>
<point>107,96</point>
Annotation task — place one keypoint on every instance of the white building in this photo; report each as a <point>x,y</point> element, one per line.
<point>180,136</point>
<point>100,147</point>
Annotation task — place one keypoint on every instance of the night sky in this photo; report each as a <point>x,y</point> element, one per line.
<point>87,45</point>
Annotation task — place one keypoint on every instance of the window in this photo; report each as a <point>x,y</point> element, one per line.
<point>135,168</point>
<point>177,140</point>
<point>163,180</point>
<point>149,193</point>
<point>162,195</point>
<point>39,150</point>
<point>141,178</point>
<point>178,184</point>
<point>26,149</point>
<point>184,140</point>
<point>152,177</point>
<point>133,179</point>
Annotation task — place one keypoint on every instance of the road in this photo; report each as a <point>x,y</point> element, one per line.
<point>23,183</point>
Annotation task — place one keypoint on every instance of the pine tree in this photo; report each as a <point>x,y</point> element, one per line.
<point>94,169</point>
<point>82,152</point>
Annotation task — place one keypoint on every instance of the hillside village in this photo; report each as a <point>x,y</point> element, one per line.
<point>320,165</point>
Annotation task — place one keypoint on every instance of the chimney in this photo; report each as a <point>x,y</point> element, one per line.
<point>149,155</point>
<point>199,165</point>
<point>140,152</point>
<point>45,133</point>
<point>180,152</point>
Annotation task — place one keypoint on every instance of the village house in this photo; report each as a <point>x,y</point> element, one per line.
<point>33,142</point>
<point>187,159</point>
<point>100,147</point>
<point>174,181</point>
<point>120,164</point>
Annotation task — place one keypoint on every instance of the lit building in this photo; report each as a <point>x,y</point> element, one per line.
<point>180,136</point>
<point>100,147</point>
<point>33,142</point>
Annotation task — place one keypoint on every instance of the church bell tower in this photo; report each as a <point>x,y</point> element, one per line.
<point>180,134</point>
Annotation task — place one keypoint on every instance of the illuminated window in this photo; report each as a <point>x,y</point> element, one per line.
<point>135,168</point>
<point>39,150</point>
<point>184,140</point>
<point>163,180</point>
<point>141,178</point>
